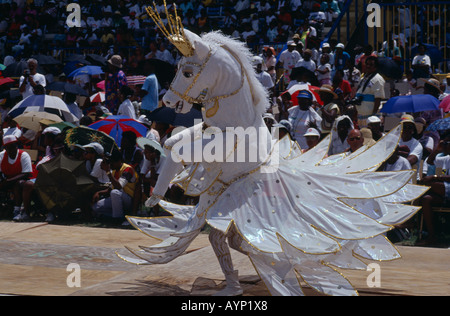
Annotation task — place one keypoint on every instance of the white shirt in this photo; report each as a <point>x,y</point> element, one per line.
<point>375,88</point>
<point>443,162</point>
<point>401,164</point>
<point>99,173</point>
<point>25,161</point>
<point>127,109</point>
<point>37,78</point>
<point>289,59</point>
<point>310,65</point>
<point>300,120</point>
<point>415,148</point>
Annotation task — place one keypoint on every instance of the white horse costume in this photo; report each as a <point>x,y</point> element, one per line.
<point>294,218</point>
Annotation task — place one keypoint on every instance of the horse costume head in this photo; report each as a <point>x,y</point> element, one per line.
<point>216,72</point>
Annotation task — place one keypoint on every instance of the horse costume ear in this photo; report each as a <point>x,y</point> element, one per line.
<point>200,48</point>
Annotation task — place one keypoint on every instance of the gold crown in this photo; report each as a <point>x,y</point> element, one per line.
<point>176,35</point>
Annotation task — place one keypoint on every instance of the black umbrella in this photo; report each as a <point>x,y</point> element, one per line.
<point>389,68</point>
<point>64,184</point>
<point>67,88</point>
<point>164,71</point>
<point>96,60</point>
<point>16,69</point>
<point>300,73</point>
<point>169,116</point>
<point>77,58</point>
<point>46,60</point>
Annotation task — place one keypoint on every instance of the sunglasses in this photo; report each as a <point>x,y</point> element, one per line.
<point>354,138</point>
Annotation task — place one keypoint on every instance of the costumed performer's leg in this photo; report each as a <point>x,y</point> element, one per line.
<point>222,251</point>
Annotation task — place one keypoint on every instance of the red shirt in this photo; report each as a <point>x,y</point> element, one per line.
<point>12,170</point>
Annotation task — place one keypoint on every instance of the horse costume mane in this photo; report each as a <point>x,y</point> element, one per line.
<point>303,218</point>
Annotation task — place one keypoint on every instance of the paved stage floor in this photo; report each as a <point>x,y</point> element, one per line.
<point>34,258</point>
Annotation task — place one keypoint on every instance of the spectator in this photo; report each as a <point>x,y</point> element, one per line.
<point>361,61</point>
<point>303,117</point>
<point>396,162</point>
<point>11,128</point>
<point>341,128</point>
<point>312,136</point>
<point>431,87</point>
<point>263,76</point>
<point>131,153</point>
<point>16,168</point>
<point>150,89</point>
<point>30,79</point>
<point>439,193</point>
<point>115,80</point>
<point>307,62</point>
<point>410,148</point>
<point>164,54</point>
<point>71,101</point>
<point>288,59</point>
<point>374,124</point>
<point>284,128</point>
<point>341,57</point>
<point>421,64</point>
<point>118,198</point>
<point>331,10</point>
<point>323,70</point>
<point>153,160</point>
<point>126,108</point>
<point>270,62</point>
<point>344,85</point>
<point>355,140</point>
<point>370,92</point>
<point>330,110</point>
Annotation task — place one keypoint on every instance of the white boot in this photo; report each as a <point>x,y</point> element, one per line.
<point>233,287</point>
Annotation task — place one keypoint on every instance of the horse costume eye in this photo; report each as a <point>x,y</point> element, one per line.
<point>188,74</point>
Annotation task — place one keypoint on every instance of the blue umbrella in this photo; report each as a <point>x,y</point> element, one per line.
<point>87,70</point>
<point>115,125</point>
<point>411,104</point>
<point>439,125</point>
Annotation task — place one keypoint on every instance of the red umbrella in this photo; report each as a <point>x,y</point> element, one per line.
<point>101,85</point>
<point>5,81</point>
<point>445,104</point>
<point>295,89</point>
<point>99,97</point>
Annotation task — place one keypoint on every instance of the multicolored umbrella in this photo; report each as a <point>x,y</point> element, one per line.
<point>84,135</point>
<point>411,104</point>
<point>115,125</point>
<point>6,81</point>
<point>439,125</point>
<point>44,103</point>
<point>99,97</point>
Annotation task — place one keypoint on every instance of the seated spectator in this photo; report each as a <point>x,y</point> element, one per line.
<point>284,128</point>
<point>330,110</point>
<point>312,136</point>
<point>263,76</point>
<point>126,107</point>
<point>131,153</point>
<point>374,124</point>
<point>341,128</point>
<point>151,167</point>
<point>439,193</point>
<point>16,169</point>
<point>118,198</point>
<point>396,162</point>
<point>303,117</point>
<point>331,10</point>
<point>11,128</point>
<point>355,140</point>
<point>409,147</point>
<point>426,140</point>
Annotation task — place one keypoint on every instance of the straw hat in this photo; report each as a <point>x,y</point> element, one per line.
<point>434,83</point>
<point>116,61</point>
<point>328,89</point>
